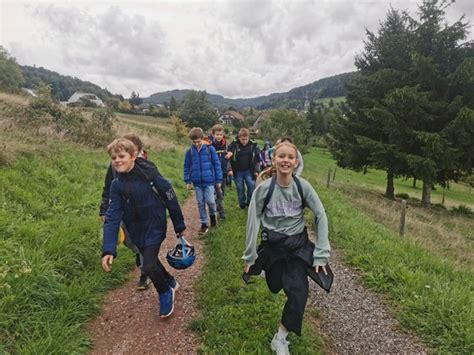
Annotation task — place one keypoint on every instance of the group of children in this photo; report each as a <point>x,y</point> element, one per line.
<point>136,198</point>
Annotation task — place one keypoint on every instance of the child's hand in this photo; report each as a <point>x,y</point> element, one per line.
<point>107,262</point>
<point>246,269</point>
<point>318,268</point>
<point>228,155</point>
<point>189,186</point>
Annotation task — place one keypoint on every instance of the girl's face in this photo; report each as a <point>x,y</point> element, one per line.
<point>122,161</point>
<point>285,160</point>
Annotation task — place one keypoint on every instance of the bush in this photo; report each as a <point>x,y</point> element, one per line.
<point>403,196</point>
<point>463,210</point>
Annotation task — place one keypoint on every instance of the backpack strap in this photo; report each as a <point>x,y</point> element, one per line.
<point>269,193</point>
<point>272,188</point>
<point>300,191</point>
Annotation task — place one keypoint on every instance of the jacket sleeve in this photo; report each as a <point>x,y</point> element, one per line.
<point>112,221</point>
<point>299,168</point>
<point>168,198</point>
<point>254,217</point>
<point>216,164</point>
<point>187,167</point>
<point>257,159</point>
<point>323,248</point>
<point>104,204</point>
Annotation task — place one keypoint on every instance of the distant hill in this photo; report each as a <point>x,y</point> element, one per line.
<point>62,86</point>
<point>333,86</point>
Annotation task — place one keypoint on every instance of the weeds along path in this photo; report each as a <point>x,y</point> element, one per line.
<point>129,323</point>
<point>355,320</point>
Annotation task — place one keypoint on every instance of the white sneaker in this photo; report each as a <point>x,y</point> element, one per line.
<point>280,346</point>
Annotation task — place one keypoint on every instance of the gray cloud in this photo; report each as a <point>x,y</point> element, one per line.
<point>236,49</point>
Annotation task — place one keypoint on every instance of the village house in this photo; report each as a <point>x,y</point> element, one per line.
<point>259,121</point>
<point>78,99</point>
<point>229,115</point>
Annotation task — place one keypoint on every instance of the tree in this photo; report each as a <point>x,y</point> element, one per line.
<point>173,104</point>
<point>180,128</point>
<point>287,123</point>
<point>11,78</point>
<point>135,99</point>
<point>197,111</point>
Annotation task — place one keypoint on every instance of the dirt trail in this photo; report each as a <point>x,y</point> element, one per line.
<point>129,322</point>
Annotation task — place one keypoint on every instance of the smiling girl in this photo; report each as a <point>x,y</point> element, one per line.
<point>286,252</point>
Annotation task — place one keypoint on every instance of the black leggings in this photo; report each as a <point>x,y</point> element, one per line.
<point>291,276</point>
<point>154,268</point>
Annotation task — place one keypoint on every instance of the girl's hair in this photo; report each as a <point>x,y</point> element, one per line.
<point>284,139</point>
<point>135,140</point>
<point>122,144</point>
<point>195,133</point>
<point>285,144</point>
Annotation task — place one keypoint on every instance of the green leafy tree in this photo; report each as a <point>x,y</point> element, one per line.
<point>174,107</point>
<point>287,123</point>
<point>135,99</point>
<point>197,111</point>
<point>11,78</point>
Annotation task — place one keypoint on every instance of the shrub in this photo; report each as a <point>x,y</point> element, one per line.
<point>463,210</point>
<point>403,195</point>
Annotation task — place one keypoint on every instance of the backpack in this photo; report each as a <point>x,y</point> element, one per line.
<point>272,187</point>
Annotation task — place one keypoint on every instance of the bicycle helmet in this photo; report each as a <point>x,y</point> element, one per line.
<point>182,256</point>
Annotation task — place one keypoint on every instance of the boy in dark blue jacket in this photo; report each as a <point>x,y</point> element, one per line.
<point>218,141</point>
<point>202,169</point>
<point>139,197</point>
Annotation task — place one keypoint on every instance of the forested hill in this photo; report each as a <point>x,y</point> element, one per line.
<point>62,86</point>
<point>332,86</point>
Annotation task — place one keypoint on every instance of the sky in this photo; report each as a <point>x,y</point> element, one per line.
<point>231,48</point>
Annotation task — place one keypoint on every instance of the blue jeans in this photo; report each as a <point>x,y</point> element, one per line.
<point>247,178</point>
<point>205,195</point>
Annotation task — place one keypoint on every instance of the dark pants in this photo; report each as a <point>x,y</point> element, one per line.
<point>291,276</point>
<point>220,199</point>
<point>241,178</point>
<point>154,268</point>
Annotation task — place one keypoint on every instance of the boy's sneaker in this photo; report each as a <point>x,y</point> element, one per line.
<point>213,221</point>
<point>166,302</point>
<point>203,229</point>
<point>174,284</point>
<point>222,216</point>
<point>143,283</point>
<point>280,346</point>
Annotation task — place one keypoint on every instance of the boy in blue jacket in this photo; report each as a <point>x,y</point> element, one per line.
<point>202,169</point>
<point>139,197</point>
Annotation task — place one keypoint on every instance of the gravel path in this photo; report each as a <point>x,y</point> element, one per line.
<point>354,319</point>
<point>129,322</point>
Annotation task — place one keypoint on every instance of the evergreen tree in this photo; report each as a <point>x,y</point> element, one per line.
<point>173,104</point>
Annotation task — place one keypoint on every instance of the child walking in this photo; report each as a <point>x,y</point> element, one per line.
<point>218,141</point>
<point>286,254</point>
<point>245,162</point>
<point>144,281</point>
<point>202,169</point>
<point>139,198</point>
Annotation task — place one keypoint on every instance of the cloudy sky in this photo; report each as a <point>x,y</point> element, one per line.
<point>232,48</point>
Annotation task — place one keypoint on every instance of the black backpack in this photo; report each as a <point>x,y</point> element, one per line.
<point>272,187</point>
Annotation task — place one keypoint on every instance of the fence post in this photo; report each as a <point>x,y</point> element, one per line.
<point>334,175</point>
<point>329,178</point>
<point>402,217</point>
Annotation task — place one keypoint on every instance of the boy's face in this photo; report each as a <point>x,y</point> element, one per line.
<point>122,161</point>
<point>244,140</point>
<point>197,143</point>
<point>219,135</point>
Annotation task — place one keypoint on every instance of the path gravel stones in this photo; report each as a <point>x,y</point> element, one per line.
<point>355,319</point>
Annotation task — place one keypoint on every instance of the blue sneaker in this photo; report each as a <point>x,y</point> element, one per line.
<point>166,303</point>
<point>174,284</point>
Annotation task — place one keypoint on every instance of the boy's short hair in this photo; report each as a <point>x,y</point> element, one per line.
<point>196,133</point>
<point>244,132</point>
<point>217,128</point>
<point>135,140</point>
<point>122,144</point>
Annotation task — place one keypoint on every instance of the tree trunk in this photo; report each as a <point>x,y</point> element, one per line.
<point>414,182</point>
<point>426,197</point>
<point>390,191</point>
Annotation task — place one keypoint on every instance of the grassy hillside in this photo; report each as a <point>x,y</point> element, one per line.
<point>51,282</point>
<point>427,276</point>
